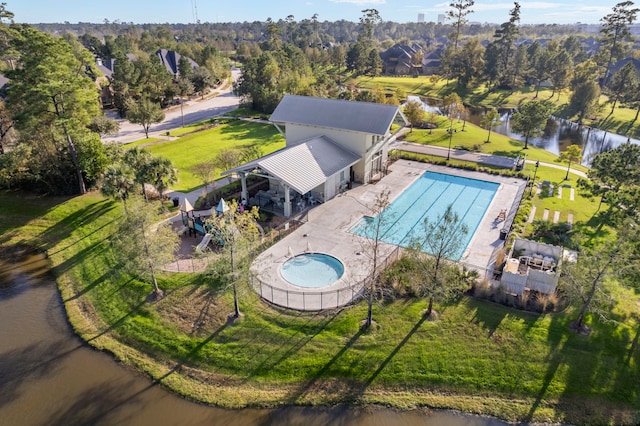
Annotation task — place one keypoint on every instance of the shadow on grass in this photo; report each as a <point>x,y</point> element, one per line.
<point>633,348</point>
<point>489,319</point>
<point>389,357</point>
<point>101,279</point>
<point>555,358</point>
<point>60,249</point>
<point>291,346</point>
<point>119,321</point>
<point>79,218</point>
<point>82,256</point>
<point>191,355</point>
<point>595,228</point>
<point>306,387</point>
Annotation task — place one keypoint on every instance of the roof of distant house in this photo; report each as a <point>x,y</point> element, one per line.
<point>107,66</point>
<point>365,117</point>
<point>617,66</point>
<point>171,59</point>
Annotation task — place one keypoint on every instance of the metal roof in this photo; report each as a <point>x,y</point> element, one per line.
<point>366,117</point>
<point>304,166</point>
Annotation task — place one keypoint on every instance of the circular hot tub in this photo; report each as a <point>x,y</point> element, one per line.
<point>312,270</point>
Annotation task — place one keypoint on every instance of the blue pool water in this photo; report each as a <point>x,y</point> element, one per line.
<point>312,270</point>
<point>428,197</point>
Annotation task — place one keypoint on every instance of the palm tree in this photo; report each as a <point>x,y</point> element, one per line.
<point>161,173</point>
<point>117,182</point>
<point>138,159</point>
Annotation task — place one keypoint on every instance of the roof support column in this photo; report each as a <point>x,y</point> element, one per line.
<point>287,201</point>
<point>243,180</point>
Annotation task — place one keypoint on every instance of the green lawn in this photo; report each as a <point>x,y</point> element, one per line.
<point>583,207</point>
<point>428,87</point>
<point>181,131</point>
<point>143,142</point>
<point>201,146</point>
<point>477,356</point>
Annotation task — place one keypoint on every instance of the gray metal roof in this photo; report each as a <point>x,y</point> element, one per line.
<point>306,165</point>
<point>366,117</point>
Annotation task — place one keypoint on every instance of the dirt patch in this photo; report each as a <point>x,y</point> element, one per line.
<point>193,310</point>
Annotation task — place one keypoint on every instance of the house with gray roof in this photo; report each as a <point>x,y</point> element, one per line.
<point>170,59</point>
<point>400,59</point>
<point>330,144</point>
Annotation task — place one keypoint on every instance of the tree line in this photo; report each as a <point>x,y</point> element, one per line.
<point>59,149</point>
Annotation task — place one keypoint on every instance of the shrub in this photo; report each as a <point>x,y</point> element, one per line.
<point>558,234</point>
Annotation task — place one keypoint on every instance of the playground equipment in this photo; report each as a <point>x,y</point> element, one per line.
<point>205,241</point>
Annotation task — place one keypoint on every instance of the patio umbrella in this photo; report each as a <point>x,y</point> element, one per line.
<point>222,206</point>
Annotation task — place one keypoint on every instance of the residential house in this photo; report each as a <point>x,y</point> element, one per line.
<point>107,67</point>
<point>431,62</point>
<point>402,59</point>
<point>617,66</point>
<point>171,59</point>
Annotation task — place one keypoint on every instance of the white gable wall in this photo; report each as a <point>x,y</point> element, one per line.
<point>360,143</point>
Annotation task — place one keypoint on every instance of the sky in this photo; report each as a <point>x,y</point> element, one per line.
<point>185,11</point>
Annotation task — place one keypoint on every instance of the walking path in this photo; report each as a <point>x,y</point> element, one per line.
<point>476,157</point>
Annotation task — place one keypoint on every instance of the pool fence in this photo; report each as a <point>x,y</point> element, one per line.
<point>315,300</point>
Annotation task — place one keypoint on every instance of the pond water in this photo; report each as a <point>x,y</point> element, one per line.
<point>558,134</point>
<point>49,376</point>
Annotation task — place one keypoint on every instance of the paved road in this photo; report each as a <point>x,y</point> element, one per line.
<point>194,111</point>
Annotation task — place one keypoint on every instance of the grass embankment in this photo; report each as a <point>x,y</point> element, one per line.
<point>477,357</point>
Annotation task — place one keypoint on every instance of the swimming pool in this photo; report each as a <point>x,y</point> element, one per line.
<point>428,197</point>
<point>312,270</point>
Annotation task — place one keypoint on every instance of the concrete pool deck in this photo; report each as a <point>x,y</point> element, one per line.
<point>327,231</point>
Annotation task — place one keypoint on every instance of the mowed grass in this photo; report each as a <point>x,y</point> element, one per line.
<point>143,142</point>
<point>438,88</point>
<point>478,357</point>
<point>583,207</point>
<point>203,146</point>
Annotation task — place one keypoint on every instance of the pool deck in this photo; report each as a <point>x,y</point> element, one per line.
<point>327,231</point>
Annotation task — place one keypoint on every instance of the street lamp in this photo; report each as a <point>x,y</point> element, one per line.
<point>450,131</point>
<point>535,172</point>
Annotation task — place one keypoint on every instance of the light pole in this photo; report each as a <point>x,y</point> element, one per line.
<point>450,138</point>
<point>535,172</point>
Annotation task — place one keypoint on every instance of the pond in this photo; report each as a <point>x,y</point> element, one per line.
<point>49,376</point>
<point>558,134</point>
